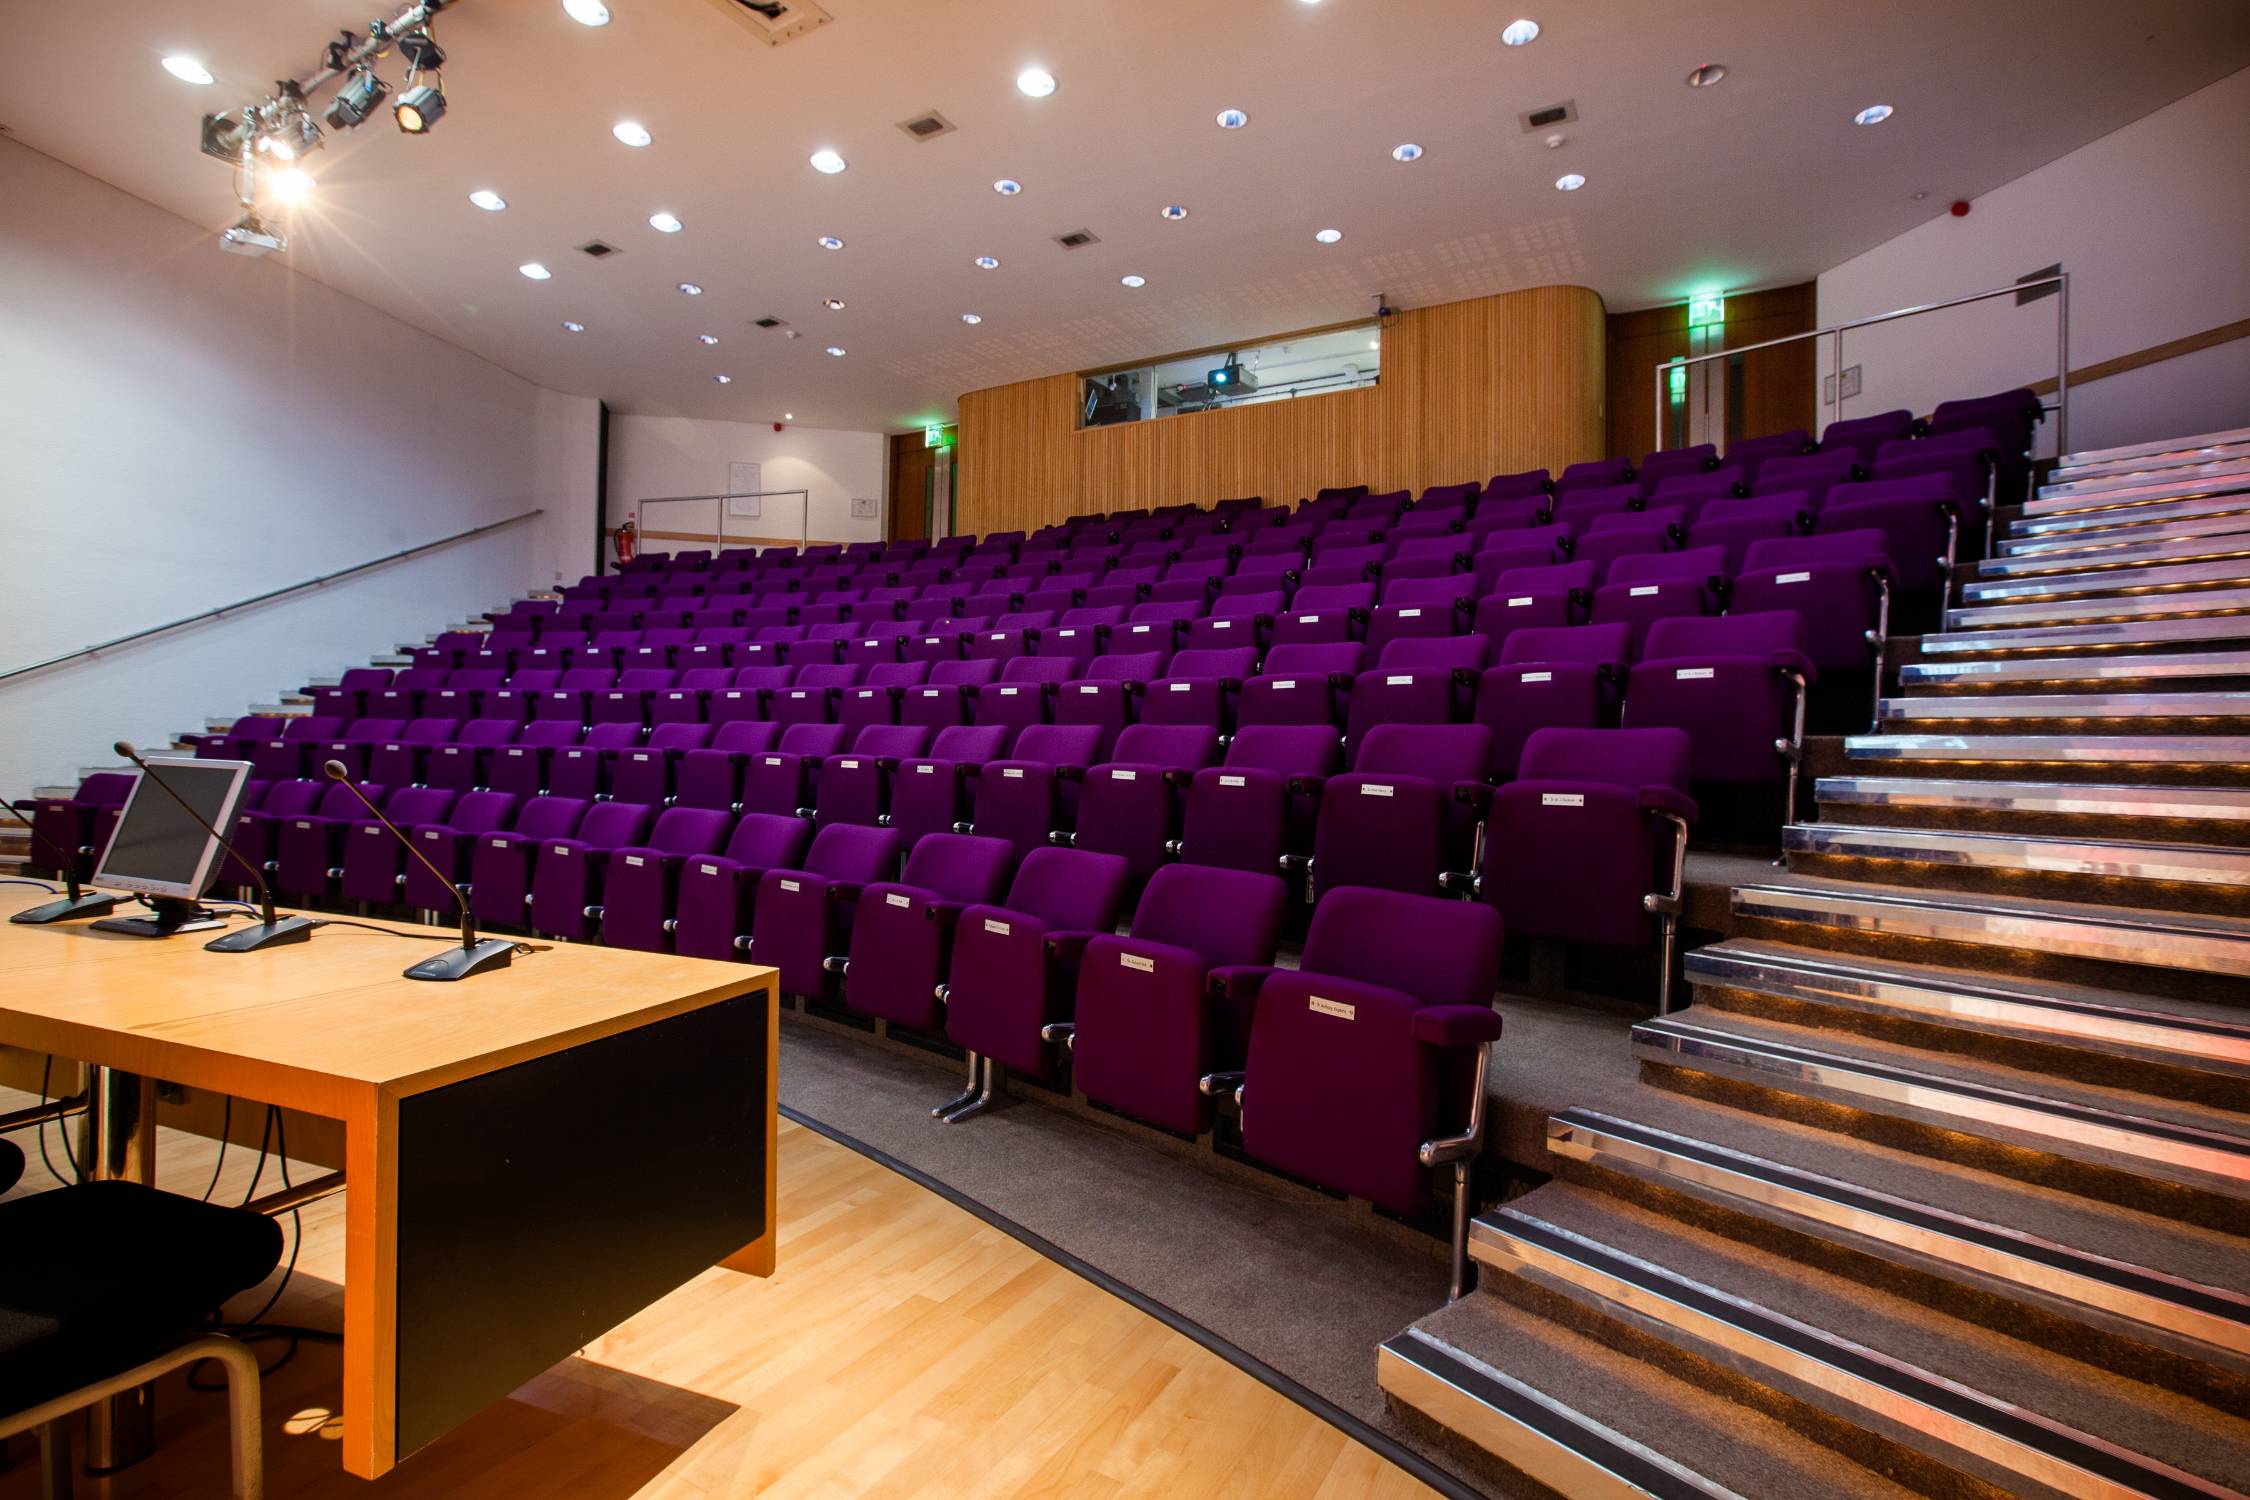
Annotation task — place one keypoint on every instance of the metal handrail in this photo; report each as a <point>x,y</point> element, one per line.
<point>1837,331</point>
<point>226,609</point>
<point>719,521</point>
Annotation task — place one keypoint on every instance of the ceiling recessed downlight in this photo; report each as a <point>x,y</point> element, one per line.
<point>838,353</point>
<point>691,289</point>
<point>631,132</point>
<point>827,162</point>
<point>1874,114</point>
<point>587,12</point>
<point>187,70</point>
<point>1233,119</point>
<point>1569,182</point>
<point>833,304</point>
<point>1007,187</point>
<point>788,416</point>
<point>1705,76</point>
<point>570,326</point>
<point>1329,236</point>
<point>534,270</point>
<point>972,319</point>
<point>1135,281</point>
<point>1407,152</point>
<point>724,379</point>
<point>707,338</point>
<point>488,200</point>
<point>1037,82</point>
<point>1520,33</point>
<point>830,242</point>
<point>664,223</point>
<point>1174,211</point>
<point>988,262</point>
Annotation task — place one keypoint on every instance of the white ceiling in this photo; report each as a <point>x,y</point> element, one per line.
<point>1759,181</point>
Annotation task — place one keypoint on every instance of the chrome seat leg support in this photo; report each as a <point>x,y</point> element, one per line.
<point>1792,751</point>
<point>983,1099</point>
<point>1666,905</point>
<point>1879,640</point>
<point>1460,1152</point>
<point>976,1073</point>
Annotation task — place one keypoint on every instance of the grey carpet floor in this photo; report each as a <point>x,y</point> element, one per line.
<point>1308,1287</point>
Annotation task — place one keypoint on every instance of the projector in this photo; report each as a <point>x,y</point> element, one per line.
<point>250,236</point>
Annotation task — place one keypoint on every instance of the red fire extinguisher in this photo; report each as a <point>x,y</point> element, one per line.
<point>623,540</point>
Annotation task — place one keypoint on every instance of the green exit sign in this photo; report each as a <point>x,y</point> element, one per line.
<point>938,435</point>
<point>1706,312</point>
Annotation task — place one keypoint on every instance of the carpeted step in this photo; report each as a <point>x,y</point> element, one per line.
<point>2124,711</point>
<point>2164,814</point>
<point>1707,1308</point>
<point>2158,1155</point>
<point>2196,632</point>
<point>2208,878</point>
<point>2218,472</point>
<point>2131,753</point>
<point>2154,510</point>
<point>2212,573</point>
<point>2028,614</point>
<point>1578,1418</point>
<point>2059,560</point>
<point>2183,447</point>
<point>2144,1296</point>
<point>2184,1049</point>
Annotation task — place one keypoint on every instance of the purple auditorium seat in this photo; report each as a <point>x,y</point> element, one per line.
<point>646,773</point>
<point>373,864</point>
<point>1670,463</point>
<point>582,770</point>
<point>1344,565</point>
<point>288,756</point>
<point>951,692</point>
<point>1339,494</point>
<point>1659,585</point>
<point>1415,682</point>
<point>716,896</point>
<point>1589,845</point>
<point>1809,474</point>
<point>781,780</point>
<point>461,764</point>
<point>640,887</point>
<point>1151,629</point>
<point>902,939</point>
<point>1322,614</point>
<point>1861,436</point>
<point>1600,473</point>
<point>1368,1063</point>
<point>448,842</point>
<point>748,694</point>
<point>1737,685</point>
<point>1448,496</point>
<point>347,697</point>
<point>234,742</point>
<point>520,766</point>
<point>1840,582</point>
<point>401,759</point>
<point>855,784</point>
<point>1022,696</point>
<point>1406,815</point>
<point>1532,598</point>
<point>69,822</point>
<point>1964,458</point>
<point>513,697</point>
<point>1753,454</point>
<point>1129,805</point>
<point>928,793</point>
<point>567,872</point>
<point>1734,526</point>
<point>876,699</point>
<point>811,695</point>
<point>1566,678</point>
<point>628,702</point>
<point>1694,491</point>
<point>687,700</point>
<point>501,864</point>
<point>1919,517</point>
<point>1015,966</point>
<point>308,847</point>
<point>803,915</point>
<point>1162,1008</point>
<point>1578,508</point>
<point>257,824</point>
<point>1029,796</point>
<point>1199,687</point>
<point>573,694</point>
<point>1108,695</point>
<point>1530,484</point>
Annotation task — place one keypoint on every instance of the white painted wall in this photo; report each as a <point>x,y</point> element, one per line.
<point>653,456</point>
<point>2151,222</point>
<point>180,428</point>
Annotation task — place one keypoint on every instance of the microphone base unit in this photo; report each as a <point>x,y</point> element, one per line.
<point>69,909</point>
<point>264,935</point>
<point>465,963</point>
<point>169,916</point>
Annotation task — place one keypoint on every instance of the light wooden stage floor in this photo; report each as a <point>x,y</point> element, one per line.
<point>905,1349</point>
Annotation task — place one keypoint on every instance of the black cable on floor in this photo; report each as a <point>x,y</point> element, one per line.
<point>46,1075</point>
<point>51,890</point>
<point>226,1128</point>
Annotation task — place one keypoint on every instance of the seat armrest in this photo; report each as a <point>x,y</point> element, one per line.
<point>1457,1025</point>
<point>1477,794</point>
<point>1237,981</point>
<point>840,890</point>
<point>1068,946</point>
<point>945,913</point>
<point>1310,785</point>
<point>1788,659</point>
<point>1665,799</point>
<point>1467,677</point>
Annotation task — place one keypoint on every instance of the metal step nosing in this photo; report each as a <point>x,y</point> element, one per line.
<point>2192,1039</point>
<point>2215,704</point>
<point>2219,480</point>
<point>2177,1306</point>
<point>2112,633</point>
<point>2214,531</point>
<point>2149,466</point>
<point>2186,442</point>
<point>2155,512</point>
<point>1978,1433</point>
<point>2090,611</point>
<point>1562,1448</point>
<point>2210,804</point>
<point>2054,749</point>
<point>2175,1153</point>
<point>2177,577</point>
<point>2079,668</point>
<point>2100,859</point>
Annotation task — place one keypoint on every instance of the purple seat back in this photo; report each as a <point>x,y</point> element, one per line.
<point>1440,952</point>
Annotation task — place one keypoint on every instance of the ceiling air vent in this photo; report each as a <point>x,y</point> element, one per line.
<point>599,250</point>
<point>775,21</point>
<point>928,126</point>
<point>1552,115</point>
<point>1076,239</point>
<point>768,321</point>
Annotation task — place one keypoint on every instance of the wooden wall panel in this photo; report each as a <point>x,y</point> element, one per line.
<point>1776,391</point>
<point>1469,389</point>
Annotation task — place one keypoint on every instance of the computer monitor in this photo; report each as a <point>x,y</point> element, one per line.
<point>160,850</point>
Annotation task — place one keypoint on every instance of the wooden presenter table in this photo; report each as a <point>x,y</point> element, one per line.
<point>533,1155</point>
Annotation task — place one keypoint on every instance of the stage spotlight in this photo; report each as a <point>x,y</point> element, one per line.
<point>360,97</point>
<point>419,108</point>
<point>422,52</point>
<point>249,235</point>
<point>224,136</point>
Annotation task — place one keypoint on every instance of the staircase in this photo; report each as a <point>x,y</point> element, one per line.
<point>1941,1185</point>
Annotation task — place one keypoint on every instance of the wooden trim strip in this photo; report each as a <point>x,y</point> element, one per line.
<point>2154,354</point>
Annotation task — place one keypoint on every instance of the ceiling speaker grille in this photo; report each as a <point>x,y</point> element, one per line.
<point>1077,238</point>
<point>598,250</point>
<point>927,126</point>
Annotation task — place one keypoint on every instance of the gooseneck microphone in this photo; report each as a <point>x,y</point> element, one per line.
<point>472,957</point>
<point>270,931</point>
<point>66,864</point>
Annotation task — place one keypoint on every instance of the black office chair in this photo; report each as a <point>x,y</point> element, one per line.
<point>11,1164</point>
<point>100,1288</point>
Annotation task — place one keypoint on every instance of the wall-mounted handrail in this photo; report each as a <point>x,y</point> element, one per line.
<point>1837,331</point>
<point>719,534</point>
<point>270,594</point>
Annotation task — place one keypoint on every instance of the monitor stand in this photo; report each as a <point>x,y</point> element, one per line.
<point>169,915</point>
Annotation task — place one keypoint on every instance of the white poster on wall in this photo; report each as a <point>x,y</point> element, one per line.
<point>743,485</point>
